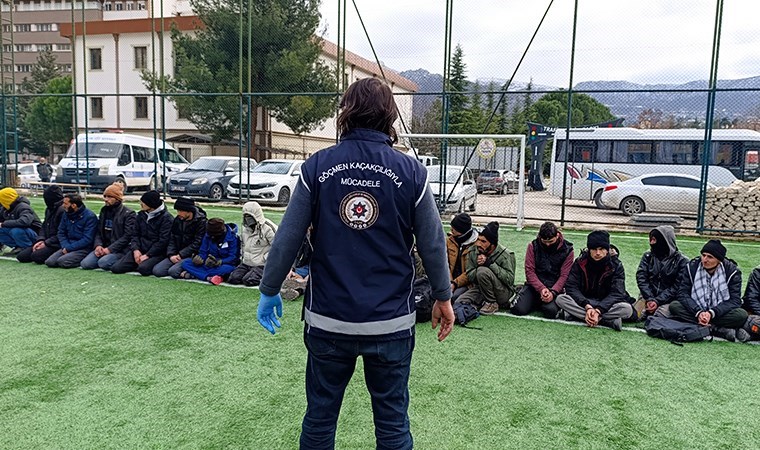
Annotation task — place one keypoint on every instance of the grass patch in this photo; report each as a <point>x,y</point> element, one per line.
<point>95,360</point>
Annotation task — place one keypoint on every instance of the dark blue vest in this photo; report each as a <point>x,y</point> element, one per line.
<point>363,197</point>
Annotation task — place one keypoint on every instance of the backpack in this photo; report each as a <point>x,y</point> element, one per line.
<point>464,313</point>
<point>423,299</point>
<point>675,331</point>
<point>752,326</point>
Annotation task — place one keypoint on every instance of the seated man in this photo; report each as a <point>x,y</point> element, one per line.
<point>659,271</point>
<point>258,234</point>
<point>461,238</point>
<point>76,233</point>
<point>595,288</point>
<point>47,242</point>
<point>548,260</point>
<point>491,270</point>
<point>751,299</point>
<point>710,294</point>
<point>150,239</point>
<point>218,255</point>
<point>116,225</point>
<point>188,229</point>
<point>19,224</point>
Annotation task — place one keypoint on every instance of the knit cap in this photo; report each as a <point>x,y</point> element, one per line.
<point>115,191</point>
<point>7,197</point>
<point>715,248</point>
<point>152,199</point>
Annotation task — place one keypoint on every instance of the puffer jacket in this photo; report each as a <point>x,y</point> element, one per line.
<point>227,251</point>
<point>751,300</point>
<point>20,215</point>
<point>122,228</point>
<point>733,279</point>
<point>658,278</point>
<point>546,269</point>
<point>77,230</point>
<point>152,236</point>
<point>610,289</point>
<point>458,255</point>
<point>187,235</point>
<point>257,243</point>
<point>501,262</point>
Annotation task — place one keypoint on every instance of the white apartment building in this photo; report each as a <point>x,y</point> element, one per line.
<point>119,49</point>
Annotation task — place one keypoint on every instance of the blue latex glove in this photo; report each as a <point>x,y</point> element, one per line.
<point>266,312</point>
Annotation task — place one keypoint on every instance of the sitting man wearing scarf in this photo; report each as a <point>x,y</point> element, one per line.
<point>710,294</point>
<point>461,238</point>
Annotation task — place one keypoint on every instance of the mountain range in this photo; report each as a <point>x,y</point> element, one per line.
<point>626,99</point>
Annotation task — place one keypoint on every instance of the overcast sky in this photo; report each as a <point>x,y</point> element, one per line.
<point>642,41</point>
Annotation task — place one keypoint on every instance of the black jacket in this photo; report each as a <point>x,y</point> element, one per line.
<point>752,293</point>
<point>122,228</point>
<point>187,235</point>
<point>20,215</point>
<point>658,278</point>
<point>49,232</point>
<point>152,237</point>
<point>609,290</point>
<point>734,280</point>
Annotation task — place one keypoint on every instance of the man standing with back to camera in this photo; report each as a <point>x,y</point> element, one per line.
<point>367,203</point>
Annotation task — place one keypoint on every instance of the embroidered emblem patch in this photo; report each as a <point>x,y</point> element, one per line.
<point>358,210</point>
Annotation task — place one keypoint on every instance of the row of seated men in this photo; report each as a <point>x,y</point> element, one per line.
<point>591,288</point>
<point>151,241</point>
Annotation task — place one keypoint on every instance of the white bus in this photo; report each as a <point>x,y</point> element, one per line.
<point>601,155</point>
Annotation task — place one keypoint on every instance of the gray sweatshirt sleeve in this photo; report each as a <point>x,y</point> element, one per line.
<point>431,245</point>
<point>287,241</point>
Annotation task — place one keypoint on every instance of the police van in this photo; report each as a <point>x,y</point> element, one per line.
<point>98,159</point>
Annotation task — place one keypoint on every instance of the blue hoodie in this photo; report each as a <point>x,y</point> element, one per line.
<point>228,251</point>
<point>77,230</point>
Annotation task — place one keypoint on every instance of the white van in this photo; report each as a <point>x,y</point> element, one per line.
<point>108,156</point>
<point>426,160</point>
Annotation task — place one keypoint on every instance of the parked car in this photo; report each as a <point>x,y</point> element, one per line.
<point>499,180</point>
<point>208,176</point>
<point>459,195</point>
<point>271,181</point>
<point>657,192</point>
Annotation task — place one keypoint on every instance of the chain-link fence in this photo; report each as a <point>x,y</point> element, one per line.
<point>250,79</point>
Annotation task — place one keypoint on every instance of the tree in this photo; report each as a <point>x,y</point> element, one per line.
<point>45,70</point>
<point>475,119</point>
<point>49,119</point>
<point>285,58</point>
<point>650,118</point>
<point>551,109</point>
<point>457,86</point>
<point>490,105</point>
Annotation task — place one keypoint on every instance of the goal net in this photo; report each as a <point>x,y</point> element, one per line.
<point>481,174</point>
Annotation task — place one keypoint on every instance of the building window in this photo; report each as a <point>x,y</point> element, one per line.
<point>141,107</point>
<point>63,47</point>
<point>23,67</point>
<point>182,113</point>
<point>23,28</point>
<point>120,6</point>
<point>23,47</point>
<point>44,47</point>
<point>7,68</point>
<point>46,27</point>
<point>65,67</point>
<point>96,59</point>
<point>6,28</point>
<point>96,107</point>
<point>7,48</point>
<point>141,57</point>
<point>107,7</point>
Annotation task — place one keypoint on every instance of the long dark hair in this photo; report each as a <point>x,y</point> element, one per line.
<point>368,103</point>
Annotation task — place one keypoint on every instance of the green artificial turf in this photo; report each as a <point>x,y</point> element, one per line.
<point>95,360</point>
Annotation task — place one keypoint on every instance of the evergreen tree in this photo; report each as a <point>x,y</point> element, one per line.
<point>457,86</point>
<point>49,119</point>
<point>475,119</point>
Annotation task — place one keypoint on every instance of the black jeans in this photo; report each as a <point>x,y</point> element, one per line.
<point>528,301</point>
<point>329,367</point>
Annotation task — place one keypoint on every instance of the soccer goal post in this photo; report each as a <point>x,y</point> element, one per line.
<point>483,174</point>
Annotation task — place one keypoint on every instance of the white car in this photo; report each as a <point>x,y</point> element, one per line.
<point>271,181</point>
<point>659,192</point>
<point>459,195</point>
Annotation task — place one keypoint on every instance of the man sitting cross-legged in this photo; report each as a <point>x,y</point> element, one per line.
<point>710,293</point>
<point>491,270</point>
<point>595,289</point>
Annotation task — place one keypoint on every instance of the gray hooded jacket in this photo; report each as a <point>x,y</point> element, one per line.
<point>257,242</point>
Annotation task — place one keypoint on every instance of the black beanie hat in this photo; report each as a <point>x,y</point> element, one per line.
<point>52,195</point>
<point>598,239</point>
<point>185,204</point>
<point>715,248</point>
<point>491,232</point>
<point>215,227</point>
<point>462,223</point>
<point>152,199</point>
